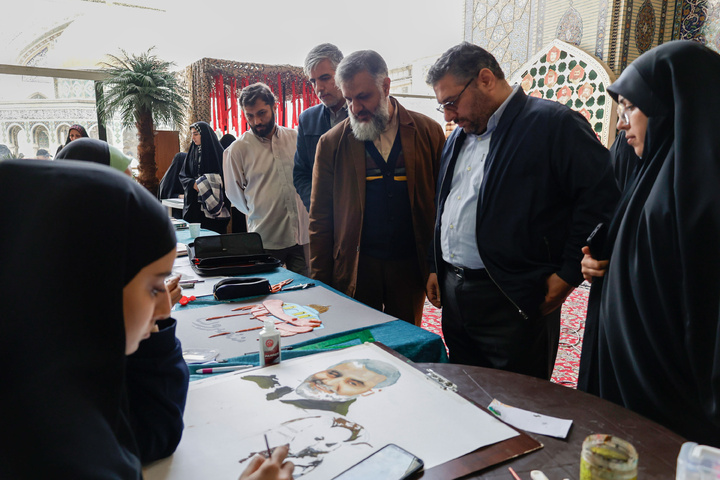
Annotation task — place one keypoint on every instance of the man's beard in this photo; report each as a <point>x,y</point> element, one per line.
<point>370,130</point>
<point>306,390</point>
<point>263,130</point>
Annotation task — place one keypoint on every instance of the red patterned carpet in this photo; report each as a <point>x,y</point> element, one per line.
<point>571,333</point>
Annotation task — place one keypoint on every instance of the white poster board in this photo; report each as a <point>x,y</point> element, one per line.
<point>200,328</point>
<point>227,417</point>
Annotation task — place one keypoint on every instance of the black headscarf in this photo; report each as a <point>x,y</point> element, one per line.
<point>86,149</point>
<point>208,156</point>
<point>93,150</point>
<point>624,161</point>
<point>69,249</point>
<point>227,140</point>
<point>200,160</point>
<point>170,186</point>
<point>658,350</point>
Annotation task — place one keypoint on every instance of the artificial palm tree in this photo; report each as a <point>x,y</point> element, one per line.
<point>145,92</point>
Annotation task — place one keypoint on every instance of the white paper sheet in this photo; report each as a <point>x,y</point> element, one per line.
<point>196,332</point>
<point>531,421</point>
<point>227,416</point>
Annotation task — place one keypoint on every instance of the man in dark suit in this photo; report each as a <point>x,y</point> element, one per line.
<point>523,182</point>
<point>320,66</point>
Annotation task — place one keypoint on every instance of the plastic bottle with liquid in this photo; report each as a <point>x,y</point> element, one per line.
<point>269,344</point>
<point>698,462</point>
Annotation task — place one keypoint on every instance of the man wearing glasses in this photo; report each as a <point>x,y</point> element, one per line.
<point>372,210</point>
<point>523,182</point>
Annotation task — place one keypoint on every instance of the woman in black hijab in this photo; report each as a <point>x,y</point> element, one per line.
<point>79,296</point>
<point>74,132</point>
<point>204,156</point>
<point>658,315</point>
<point>170,186</point>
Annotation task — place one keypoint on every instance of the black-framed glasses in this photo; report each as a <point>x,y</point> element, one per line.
<point>441,108</point>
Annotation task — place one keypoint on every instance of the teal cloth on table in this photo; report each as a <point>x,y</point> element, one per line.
<point>183,235</point>
<point>408,340</point>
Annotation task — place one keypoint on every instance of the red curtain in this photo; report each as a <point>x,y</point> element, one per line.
<point>228,117</point>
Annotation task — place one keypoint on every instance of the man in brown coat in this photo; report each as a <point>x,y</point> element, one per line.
<point>372,206</point>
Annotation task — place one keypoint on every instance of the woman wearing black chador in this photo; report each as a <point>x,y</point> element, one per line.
<point>201,176</point>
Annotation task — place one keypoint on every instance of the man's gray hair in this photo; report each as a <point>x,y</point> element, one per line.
<point>390,373</point>
<point>324,51</point>
<point>463,62</point>
<point>362,61</point>
<point>257,91</point>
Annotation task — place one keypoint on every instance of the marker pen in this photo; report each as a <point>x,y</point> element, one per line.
<point>222,369</point>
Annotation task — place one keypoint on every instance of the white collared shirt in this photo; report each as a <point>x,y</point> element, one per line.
<point>457,232</point>
<point>259,182</point>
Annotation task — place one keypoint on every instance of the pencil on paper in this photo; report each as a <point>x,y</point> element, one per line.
<point>268,446</point>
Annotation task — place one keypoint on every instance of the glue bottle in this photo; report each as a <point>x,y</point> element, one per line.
<point>269,344</point>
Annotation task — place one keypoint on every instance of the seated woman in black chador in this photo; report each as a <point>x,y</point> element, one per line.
<point>652,339</point>
<point>84,283</point>
<point>201,176</point>
<point>100,382</point>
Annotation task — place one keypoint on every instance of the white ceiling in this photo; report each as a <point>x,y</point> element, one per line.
<point>274,32</point>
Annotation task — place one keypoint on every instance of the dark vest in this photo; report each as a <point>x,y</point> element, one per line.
<point>387,231</point>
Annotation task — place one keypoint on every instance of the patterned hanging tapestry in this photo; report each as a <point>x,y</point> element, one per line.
<point>216,86</point>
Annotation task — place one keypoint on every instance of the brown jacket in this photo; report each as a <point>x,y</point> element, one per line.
<point>338,196</point>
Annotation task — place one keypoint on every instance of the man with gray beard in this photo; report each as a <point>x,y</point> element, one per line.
<point>373,189</point>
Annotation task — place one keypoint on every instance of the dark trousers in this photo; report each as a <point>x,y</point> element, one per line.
<point>482,327</point>
<point>294,258</point>
<point>391,286</point>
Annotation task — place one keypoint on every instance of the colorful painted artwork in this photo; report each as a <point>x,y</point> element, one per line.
<point>563,73</point>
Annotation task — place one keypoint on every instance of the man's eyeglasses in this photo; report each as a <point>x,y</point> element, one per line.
<point>441,108</point>
<point>624,112</point>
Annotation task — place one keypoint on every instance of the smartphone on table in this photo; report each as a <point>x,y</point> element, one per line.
<point>389,463</point>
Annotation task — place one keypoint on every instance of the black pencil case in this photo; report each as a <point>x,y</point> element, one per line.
<point>230,254</point>
<point>231,288</point>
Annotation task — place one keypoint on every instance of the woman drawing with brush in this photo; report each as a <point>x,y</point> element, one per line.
<point>99,384</point>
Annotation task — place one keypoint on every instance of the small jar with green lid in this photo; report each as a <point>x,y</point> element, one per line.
<point>605,457</point>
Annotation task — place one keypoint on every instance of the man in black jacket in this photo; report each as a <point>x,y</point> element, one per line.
<point>523,182</point>
<point>320,65</point>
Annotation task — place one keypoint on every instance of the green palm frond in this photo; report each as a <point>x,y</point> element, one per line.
<point>141,83</point>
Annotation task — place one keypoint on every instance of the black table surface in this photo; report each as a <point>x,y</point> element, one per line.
<point>559,459</point>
